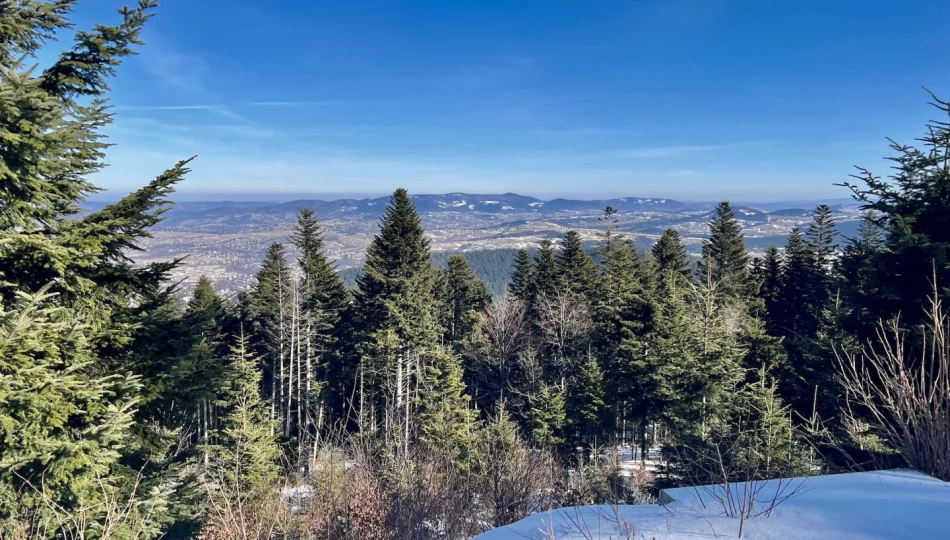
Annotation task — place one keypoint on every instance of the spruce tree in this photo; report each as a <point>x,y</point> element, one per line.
<point>910,208</point>
<point>545,417</point>
<point>798,318</point>
<point>586,413</point>
<point>72,303</point>
<point>546,270</point>
<point>576,269</point>
<point>820,238</point>
<point>464,296</point>
<point>269,312</point>
<point>396,308</point>
<point>323,302</point>
<point>522,278</point>
<point>670,256</point>
<point>448,425</point>
<point>769,286</point>
<point>725,260</point>
<point>622,317</point>
<point>242,474</point>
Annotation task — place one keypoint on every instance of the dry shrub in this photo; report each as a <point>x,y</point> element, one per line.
<point>902,399</point>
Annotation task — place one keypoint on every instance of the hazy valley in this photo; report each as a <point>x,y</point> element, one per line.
<point>225,240</point>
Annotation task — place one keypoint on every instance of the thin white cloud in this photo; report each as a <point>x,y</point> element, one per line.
<point>166,107</point>
<point>672,151</point>
<point>668,151</point>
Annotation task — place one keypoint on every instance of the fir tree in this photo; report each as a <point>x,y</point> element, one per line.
<point>270,311</point>
<point>798,321</point>
<point>464,297</point>
<point>770,284</point>
<point>522,278</point>
<point>243,471</point>
<point>545,417</point>
<point>323,303</point>
<point>670,256</point>
<point>820,239</point>
<point>622,316</point>
<point>576,269</point>
<point>910,208</point>
<point>447,423</point>
<point>609,235</point>
<point>73,304</point>
<point>724,259</point>
<point>395,306</point>
<point>546,270</point>
<point>586,412</point>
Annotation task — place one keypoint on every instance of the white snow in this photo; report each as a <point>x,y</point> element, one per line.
<point>459,203</point>
<point>506,207</point>
<point>491,202</point>
<point>471,207</point>
<point>748,212</point>
<point>855,506</point>
<point>536,204</point>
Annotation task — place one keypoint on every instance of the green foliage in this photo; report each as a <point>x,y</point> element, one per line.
<point>545,417</point>
<point>577,270</point>
<point>546,271</point>
<point>246,460</point>
<point>522,278</point>
<point>448,423</point>
<point>669,255</point>
<point>910,208</point>
<point>64,428</point>
<point>725,261</point>
<point>586,413</point>
<point>464,296</point>
<point>323,303</point>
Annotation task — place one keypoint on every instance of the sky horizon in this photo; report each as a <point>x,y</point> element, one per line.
<point>685,99</point>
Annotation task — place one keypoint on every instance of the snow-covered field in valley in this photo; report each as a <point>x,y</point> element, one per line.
<point>856,506</point>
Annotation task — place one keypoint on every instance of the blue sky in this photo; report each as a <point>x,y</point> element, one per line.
<point>692,99</point>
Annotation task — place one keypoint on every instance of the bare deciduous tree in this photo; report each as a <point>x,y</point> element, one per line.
<point>901,400</point>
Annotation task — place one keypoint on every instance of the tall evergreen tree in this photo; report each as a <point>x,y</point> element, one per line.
<point>447,422</point>
<point>243,472</point>
<point>521,284</point>
<point>396,308</point>
<point>724,259</point>
<point>323,303</point>
<point>586,412</point>
<point>546,269</point>
<point>270,313</point>
<point>576,269</point>
<point>670,256</point>
<point>910,207</point>
<point>73,306</point>
<point>464,296</point>
<point>770,284</point>
<point>797,322</point>
<point>545,417</point>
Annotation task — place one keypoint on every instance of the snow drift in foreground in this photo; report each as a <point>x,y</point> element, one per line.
<point>866,506</point>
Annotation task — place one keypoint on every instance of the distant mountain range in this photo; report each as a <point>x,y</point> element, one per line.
<point>228,215</point>
<point>225,240</point>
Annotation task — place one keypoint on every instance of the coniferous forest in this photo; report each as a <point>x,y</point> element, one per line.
<point>416,404</point>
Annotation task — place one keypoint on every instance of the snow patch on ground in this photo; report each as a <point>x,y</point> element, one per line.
<point>536,204</point>
<point>856,506</point>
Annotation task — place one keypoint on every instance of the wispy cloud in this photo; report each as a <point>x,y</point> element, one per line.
<point>668,151</point>
<point>673,151</point>
<point>288,103</point>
